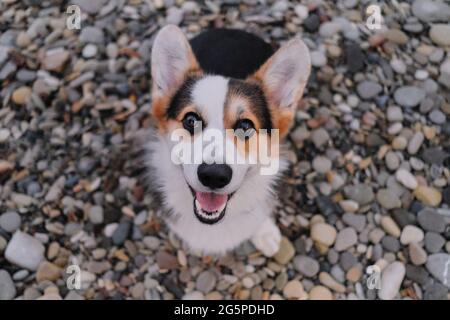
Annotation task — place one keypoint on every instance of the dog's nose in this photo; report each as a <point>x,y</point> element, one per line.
<point>214,176</point>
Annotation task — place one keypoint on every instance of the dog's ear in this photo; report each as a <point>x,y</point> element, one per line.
<point>284,77</point>
<point>172,59</point>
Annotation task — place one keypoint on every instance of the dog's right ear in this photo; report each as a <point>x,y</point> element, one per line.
<point>172,59</point>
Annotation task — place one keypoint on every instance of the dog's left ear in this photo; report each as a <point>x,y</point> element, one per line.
<point>172,59</point>
<point>284,77</point>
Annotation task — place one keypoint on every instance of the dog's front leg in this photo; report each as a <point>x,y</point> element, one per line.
<point>267,238</point>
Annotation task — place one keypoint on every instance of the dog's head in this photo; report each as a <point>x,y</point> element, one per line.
<point>185,99</point>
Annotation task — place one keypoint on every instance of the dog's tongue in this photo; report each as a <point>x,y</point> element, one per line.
<point>210,201</point>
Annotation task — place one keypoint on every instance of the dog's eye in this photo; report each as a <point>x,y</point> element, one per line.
<point>244,128</point>
<point>191,121</point>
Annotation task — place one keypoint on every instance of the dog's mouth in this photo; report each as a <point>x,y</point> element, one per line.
<point>209,207</point>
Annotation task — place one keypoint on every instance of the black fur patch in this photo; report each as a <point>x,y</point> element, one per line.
<point>182,97</point>
<point>230,53</point>
<point>257,99</point>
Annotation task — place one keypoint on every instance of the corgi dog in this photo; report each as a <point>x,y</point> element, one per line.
<point>221,80</point>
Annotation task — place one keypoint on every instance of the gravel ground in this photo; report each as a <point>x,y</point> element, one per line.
<point>369,182</point>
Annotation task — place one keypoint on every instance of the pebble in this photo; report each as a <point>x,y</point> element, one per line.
<point>417,254</point>
<point>361,193</point>
<point>294,290</point>
<point>431,11</point>
<point>96,215</point>
<point>409,96</point>
<point>440,34</point>
<point>24,251</point>
<point>438,265</point>
<point>437,117</point>
<point>318,58</point>
<point>285,253</point>
<point>345,239</point>
<point>388,199</point>
<point>89,51</point>
<point>56,60</point>
<point>10,221</point>
<point>320,293</point>
<point>354,220</point>
<point>434,242</point>
<point>327,280</point>
<point>319,137</point>
<point>368,89</point>
<point>121,233</point>
<point>91,34</point>
<point>394,114</point>
<point>392,160</point>
<point>428,195</point>
<point>406,178</point>
<point>429,220</point>
<point>323,233</point>
<point>321,164</point>
<point>21,95</point>
<point>415,143</point>
<point>7,288</point>
<point>436,291</point>
<point>205,282</point>
<point>48,271</point>
<point>306,266</point>
<point>389,225</point>
<point>391,280</point>
<point>411,234</point>
<point>4,135</point>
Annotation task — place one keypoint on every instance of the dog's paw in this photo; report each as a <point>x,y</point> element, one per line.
<point>267,239</point>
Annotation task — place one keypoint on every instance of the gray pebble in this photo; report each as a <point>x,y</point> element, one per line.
<point>306,266</point>
<point>409,96</point>
<point>10,221</point>
<point>206,281</point>
<point>7,288</point>
<point>429,220</point>
<point>434,242</point>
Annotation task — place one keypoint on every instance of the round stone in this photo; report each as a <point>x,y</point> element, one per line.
<point>428,195</point>
<point>294,290</point>
<point>391,280</point>
<point>388,199</point>
<point>411,234</point>
<point>440,34</point>
<point>368,89</point>
<point>389,226</point>
<point>321,164</point>
<point>89,51</point>
<point>345,239</point>
<point>306,266</point>
<point>21,95</point>
<point>206,281</point>
<point>417,255</point>
<point>7,288</point>
<point>406,178</point>
<point>323,233</point>
<point>320,293</point>
<point>409,96</point>
<point>10,221</point>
